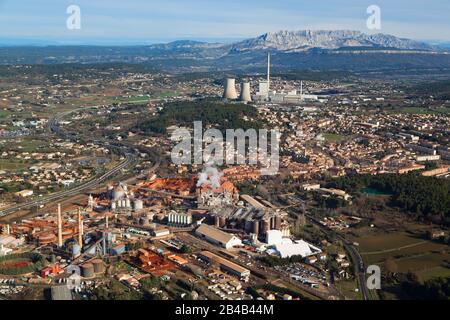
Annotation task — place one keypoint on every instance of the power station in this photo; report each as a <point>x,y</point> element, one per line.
<point>264,94</point>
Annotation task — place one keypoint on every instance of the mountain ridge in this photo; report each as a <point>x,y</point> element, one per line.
<point>303,40</point>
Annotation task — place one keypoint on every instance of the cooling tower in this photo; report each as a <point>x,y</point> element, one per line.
<point>245,92</point>
<point>230,89</point>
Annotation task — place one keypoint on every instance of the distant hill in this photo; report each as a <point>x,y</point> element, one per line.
<point>341,50</point>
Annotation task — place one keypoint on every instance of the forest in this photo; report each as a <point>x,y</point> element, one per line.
<point>427,198</point>
<point>212,113</point>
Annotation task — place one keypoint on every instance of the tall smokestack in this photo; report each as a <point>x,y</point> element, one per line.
<point>80,229</point>
<point>268,71</point>
<point>230,89</point>
<point>245,92</point>
<point>60,239</point>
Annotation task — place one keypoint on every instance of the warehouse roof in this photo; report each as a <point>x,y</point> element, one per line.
<point>214,233</point>
<point>224,262</point>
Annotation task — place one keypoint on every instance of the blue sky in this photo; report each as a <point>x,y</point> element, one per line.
<point>136,21</point>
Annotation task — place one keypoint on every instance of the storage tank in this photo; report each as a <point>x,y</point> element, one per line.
<point>222,222</point>
<point>113,205</point>
<point>99,266</point>
<point>277,223</point>
<point>87,270</point>
<point>76,250</point>
<point>127,203</point>
<point>138,205</point>
<point>266,225</point>
<point>255,226</point>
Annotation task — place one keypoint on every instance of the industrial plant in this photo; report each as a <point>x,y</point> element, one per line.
<point>265,94</point>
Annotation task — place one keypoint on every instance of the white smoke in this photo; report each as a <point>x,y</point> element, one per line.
<point>209,176</point>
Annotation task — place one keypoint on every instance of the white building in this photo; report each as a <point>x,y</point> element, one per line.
<point>274,237</point>
<point>297,248</point>
<point>217,236</point>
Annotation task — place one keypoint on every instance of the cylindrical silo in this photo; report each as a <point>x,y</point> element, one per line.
<point>99,266</point>
<point>222,222</point>
<point>87,270</point>
<point>256,226</point>
<point>277,223</point>
<point>138,204</point>
<point>266,225</point>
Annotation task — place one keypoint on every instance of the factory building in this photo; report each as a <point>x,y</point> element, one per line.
<point>425,150</point>
<point>217,237</point>
<point>274,237</point>
<point>257,217</point>
<point>224,264</point>
<point>287,249</point>
<point>265,94</point>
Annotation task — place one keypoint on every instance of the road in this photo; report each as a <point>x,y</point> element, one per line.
<point>53,126</point>
<point>360,270</point>
<point>130,158</point>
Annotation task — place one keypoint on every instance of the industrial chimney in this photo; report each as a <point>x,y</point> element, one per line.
<point>245,92</point>
<point>60,239</point>
<point>230,89</point>
<point>80,229</point>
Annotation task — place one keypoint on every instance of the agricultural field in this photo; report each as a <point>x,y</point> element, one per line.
<point>347,288</point>
<point>426,258</point>
<point>167,94</point>
<point>12,164</point>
